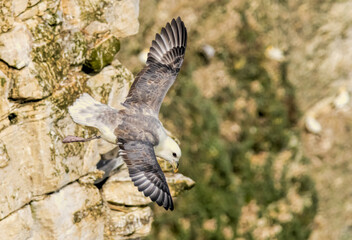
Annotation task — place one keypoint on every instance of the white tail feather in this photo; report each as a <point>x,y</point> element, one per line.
<point>89,112</point>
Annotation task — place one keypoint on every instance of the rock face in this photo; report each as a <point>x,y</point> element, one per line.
<point>47,191</point>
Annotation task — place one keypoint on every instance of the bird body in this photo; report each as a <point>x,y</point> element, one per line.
<point>135,126</point>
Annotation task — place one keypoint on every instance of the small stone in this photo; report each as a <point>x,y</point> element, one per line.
<point>342,98</point>
<point>209,51</point>
<point>312,124</point>
<point>274,53</point>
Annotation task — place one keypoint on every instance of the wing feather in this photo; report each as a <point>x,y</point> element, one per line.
<point>170,33</point>
<point>145,171</point>
<point>164,61</point>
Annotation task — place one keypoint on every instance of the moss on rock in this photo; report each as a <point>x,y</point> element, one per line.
<point>102,53</point>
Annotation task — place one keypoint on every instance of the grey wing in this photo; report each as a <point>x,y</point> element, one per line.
<point>145,171</point>
<point>164,61</point>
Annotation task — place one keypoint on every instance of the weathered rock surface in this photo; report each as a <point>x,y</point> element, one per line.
<point>136,221</point>
<point>119,190</point>
<point>116,16</point>
<point>18,225</point>
<point>47,188</point>
<point>75,212</point>
<point>15,46</point>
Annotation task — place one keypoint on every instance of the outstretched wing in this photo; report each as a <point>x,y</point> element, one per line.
<point>165,58</point>
<point>145,171</point>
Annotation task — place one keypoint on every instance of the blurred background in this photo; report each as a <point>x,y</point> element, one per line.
<point>261,107</point>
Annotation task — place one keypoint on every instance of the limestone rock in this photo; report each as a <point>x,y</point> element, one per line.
<point>134,222</point>
<point>96,27</point>
<point>102,53</point>
<point>165,165</point>
<point>120,190</point>
<point>38,161</point>
<point>178,183</point>
<point>6,17</point>
<point>111,85</point>
<point>122,17</point>
<point>76,14</point>
<point>18,6</point>
<point>4,92</point>
<point>75,212</point>
<point>15,46</point>
<point>33,2</point>
<point>4,157</point>
<point>18,225</point>
<point>75,48</point>
<point>33,82</point>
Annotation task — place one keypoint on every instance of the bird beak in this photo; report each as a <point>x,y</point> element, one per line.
<point>175,166</point>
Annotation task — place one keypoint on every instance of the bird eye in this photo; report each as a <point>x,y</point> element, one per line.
<point>174,154</point>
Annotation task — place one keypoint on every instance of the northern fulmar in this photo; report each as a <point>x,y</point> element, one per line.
<point>136,127</point>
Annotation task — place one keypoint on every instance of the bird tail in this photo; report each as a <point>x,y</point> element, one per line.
<point>89,112</point>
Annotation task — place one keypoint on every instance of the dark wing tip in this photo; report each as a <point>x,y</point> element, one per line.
<point>170,45</point>
<point>157,195</point>
<point>154,190</point>
<point>145,171</point>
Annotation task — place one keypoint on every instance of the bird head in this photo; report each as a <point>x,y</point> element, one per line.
<point>170,151</point>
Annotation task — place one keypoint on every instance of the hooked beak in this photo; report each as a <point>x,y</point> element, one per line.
<point>175,166</point>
